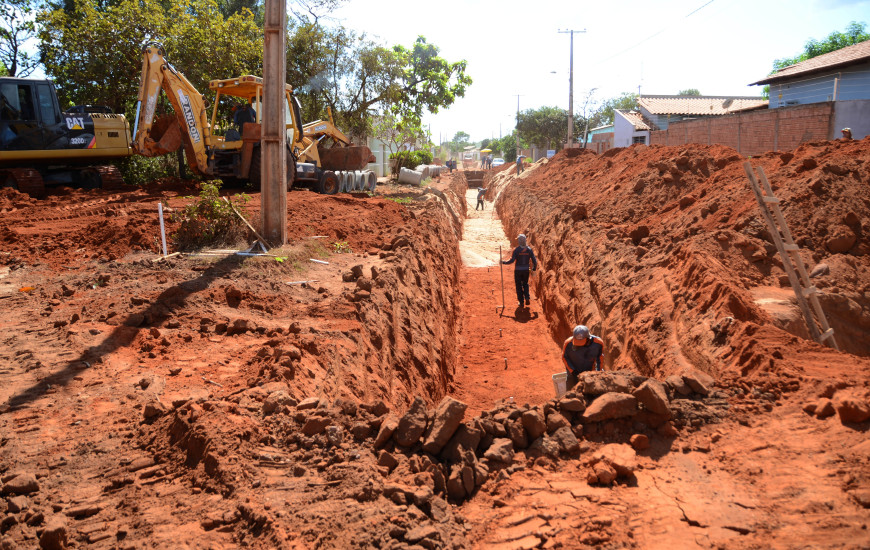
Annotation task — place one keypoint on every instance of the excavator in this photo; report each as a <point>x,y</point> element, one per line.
<point>318,154</point>
<point>41,144</point>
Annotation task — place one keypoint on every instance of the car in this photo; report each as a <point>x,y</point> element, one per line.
<point>498,161</point>
<point>469,156</point>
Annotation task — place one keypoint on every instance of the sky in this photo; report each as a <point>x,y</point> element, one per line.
<point>662,46</point>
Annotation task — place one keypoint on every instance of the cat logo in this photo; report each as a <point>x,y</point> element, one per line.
<point>75,123</point>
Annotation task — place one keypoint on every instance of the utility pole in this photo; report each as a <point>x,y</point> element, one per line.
<point>571,87</point>
<point>273,182</point>
<point>518,125</point>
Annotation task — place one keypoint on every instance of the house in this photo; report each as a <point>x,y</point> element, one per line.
<point>659,111</point>
<point>841,77</point>
<point>629,128</point>
<point>600,139</point>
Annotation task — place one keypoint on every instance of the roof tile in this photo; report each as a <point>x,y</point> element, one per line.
<point>849,55</point>
<point>698,105</point>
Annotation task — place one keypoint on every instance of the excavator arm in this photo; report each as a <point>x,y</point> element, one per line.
<point>190,124</point>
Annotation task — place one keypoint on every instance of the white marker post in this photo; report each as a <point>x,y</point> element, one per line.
<point>162,229</point>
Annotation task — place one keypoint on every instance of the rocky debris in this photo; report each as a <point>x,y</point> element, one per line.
<point>639,442</point>
<point>652,396</point>
<point>276,400</point>
<point>21,484</point>
<point>610,405</point>
<point>700,382</point>
<point>618,457</point>
<point>501,450</point>
<point>412,424</point>
<point>598,383</point>
<point>386,431</point>
<point>153,409</point>
<point>534,424</point>
<point>54,536</point>
<point>851,408</point>
<point>445,421</point>
<point>678,385</point>
<point>824,408</point>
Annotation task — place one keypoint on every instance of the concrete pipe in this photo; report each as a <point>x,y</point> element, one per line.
<point>346,180</point>
<point>371,180</point>
<point>411,177</point>
<point>434,170</point>
<point>358,181</point>
<point>424,169</point>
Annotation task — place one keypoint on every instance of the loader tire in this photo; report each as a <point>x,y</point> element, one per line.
<point>328,184</point>
<point>256,171</point>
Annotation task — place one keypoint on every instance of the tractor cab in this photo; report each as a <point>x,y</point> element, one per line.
<point>242,104</point>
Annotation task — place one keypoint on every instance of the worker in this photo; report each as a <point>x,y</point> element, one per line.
<point>520,164</point>
<point>481,192</point>
<point>525,259</point>
<point>847,133</point>
<point>244,115</point>
<point>581,353</point>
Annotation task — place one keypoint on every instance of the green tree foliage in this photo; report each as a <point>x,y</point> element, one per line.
<point>16,28</point>
<point>853,34</point>
<point>604,114</point>
<point>507,146</point>
<point>543,127</point>
<point>94,52</point>
<point>358,78</point>
<point>395,134</point>
<point>690,92</point>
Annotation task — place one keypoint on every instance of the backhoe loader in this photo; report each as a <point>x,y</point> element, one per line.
<point>318,154</point>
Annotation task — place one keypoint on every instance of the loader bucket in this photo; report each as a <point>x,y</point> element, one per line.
<point>345,158</point>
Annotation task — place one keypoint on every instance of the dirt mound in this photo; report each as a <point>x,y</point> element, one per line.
<point>671,251</point>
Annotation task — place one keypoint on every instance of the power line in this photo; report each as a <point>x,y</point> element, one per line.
<point>650,37</point>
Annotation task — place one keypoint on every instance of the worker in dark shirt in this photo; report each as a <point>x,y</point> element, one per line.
<point>525,259</point>
<point>581,353</point>
<point>481,192</point>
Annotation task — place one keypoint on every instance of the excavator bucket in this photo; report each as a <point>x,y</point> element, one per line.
<point>165,137</point>
<point>345,158</point>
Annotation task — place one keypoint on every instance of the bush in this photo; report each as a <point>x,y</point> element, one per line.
<point>411,159</point>
<point>209,220</point>
<point>138,170</point>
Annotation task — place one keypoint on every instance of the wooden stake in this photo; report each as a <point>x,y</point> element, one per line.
<point>501,270</point>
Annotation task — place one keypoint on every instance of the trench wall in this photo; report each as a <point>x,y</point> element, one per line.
<point>660,249</point>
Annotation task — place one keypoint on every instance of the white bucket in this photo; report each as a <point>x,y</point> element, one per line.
<point>560,382</point>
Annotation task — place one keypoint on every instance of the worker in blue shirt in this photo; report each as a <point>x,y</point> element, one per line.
<point>581,352</point>
<point>525,259</point>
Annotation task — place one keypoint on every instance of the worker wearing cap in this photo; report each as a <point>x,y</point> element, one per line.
<point>847,133</point>
<point>525,259</point>
<point>581,353</point>
<point>481,193</point>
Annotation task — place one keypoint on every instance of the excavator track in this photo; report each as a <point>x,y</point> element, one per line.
<point>26,180</point>
<point>110,178</point>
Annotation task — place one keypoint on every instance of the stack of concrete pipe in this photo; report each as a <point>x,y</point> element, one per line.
<point>358,180</point>
<point>411,177</point>
<point>429,170</point>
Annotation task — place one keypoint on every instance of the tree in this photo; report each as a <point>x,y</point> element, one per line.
<point>854,34</point>
<point>359,78</point>
<point>544,126</point>
<point>689,92</point>
<point>16,28</point>
<point>94,52</point>
<point>395,134</point>
<point>604,114</point>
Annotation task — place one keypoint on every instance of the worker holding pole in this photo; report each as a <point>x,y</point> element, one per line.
<point>525,263</point>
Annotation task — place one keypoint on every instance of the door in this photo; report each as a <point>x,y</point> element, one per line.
<point>19,127</point>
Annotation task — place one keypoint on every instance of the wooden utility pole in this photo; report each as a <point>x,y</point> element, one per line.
<point>273,185</point>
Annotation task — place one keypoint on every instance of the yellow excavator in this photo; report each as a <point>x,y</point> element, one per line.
<point>41,144</point>
<point>318,154</point>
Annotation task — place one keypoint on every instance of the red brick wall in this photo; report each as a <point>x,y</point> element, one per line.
<point>755,132</point>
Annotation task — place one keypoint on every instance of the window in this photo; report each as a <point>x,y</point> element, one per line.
<point>638,139</point>
<point>46,105</point>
